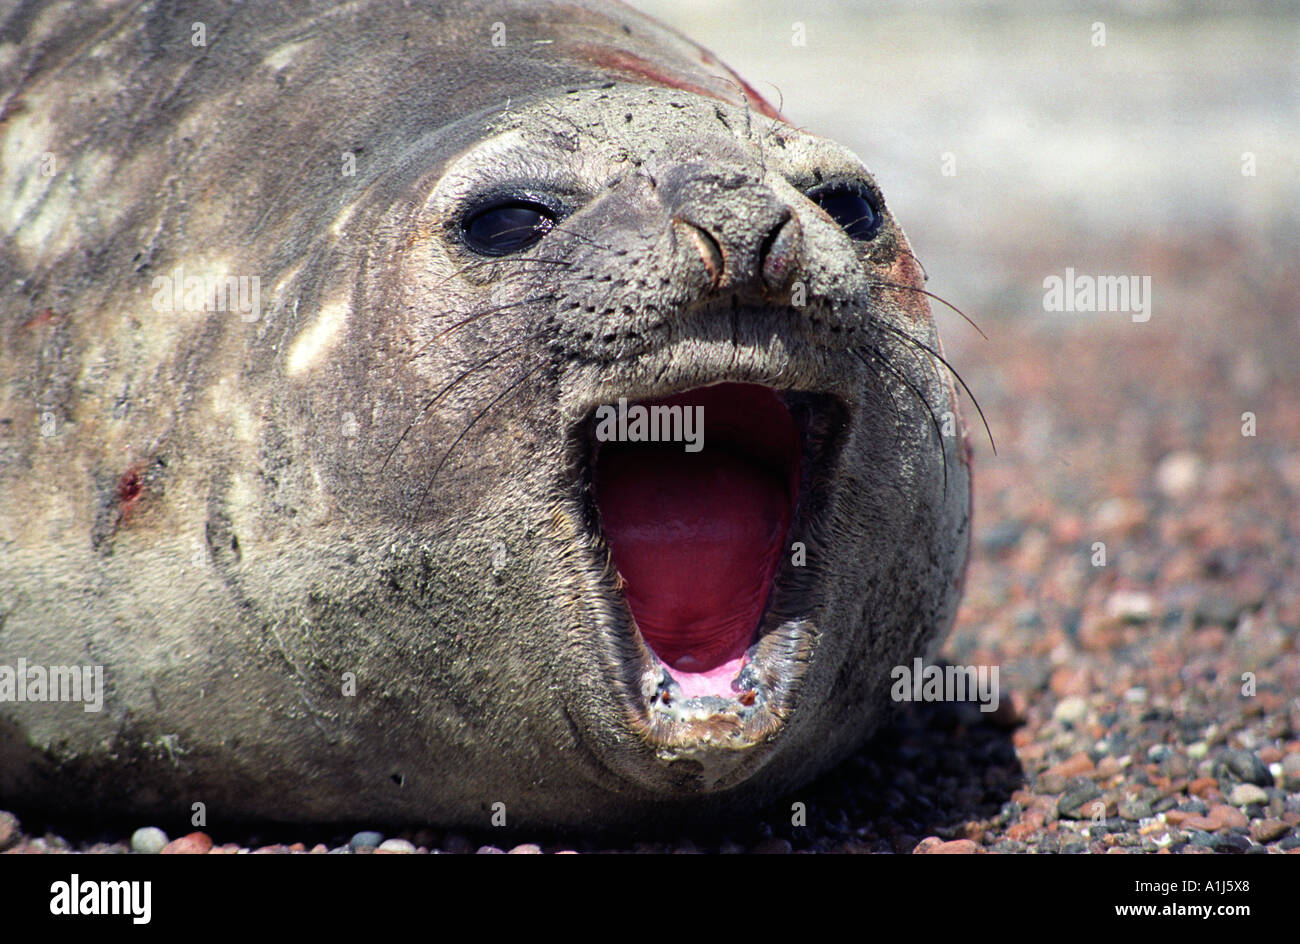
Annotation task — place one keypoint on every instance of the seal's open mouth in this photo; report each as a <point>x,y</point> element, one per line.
<point>698,522</point>
<point>710,504</point>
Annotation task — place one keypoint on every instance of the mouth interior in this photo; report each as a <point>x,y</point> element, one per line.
<point>697,535</point>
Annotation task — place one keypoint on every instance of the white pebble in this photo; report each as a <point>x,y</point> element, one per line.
<point>1247,794</point>
<point>1133,606</point>
<point>1178,474</point>
<point>1070,710</point>
<point>148,840</point>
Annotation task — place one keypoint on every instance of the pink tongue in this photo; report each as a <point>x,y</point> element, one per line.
<point>697,538</point>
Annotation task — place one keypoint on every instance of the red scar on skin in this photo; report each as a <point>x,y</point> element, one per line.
<point>41,318</point>
<point>633,66</point>
<point>129,488</point>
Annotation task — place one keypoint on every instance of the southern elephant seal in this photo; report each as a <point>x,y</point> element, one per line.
<point>331,334</point>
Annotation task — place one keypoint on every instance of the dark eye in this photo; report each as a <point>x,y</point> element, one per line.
<point>508,227</point>
<point>851,206</point>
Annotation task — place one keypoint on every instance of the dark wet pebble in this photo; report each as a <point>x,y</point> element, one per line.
<point>1133,809</point>
<point>456,844</point>
<point>1175,765</point>
<point>1244,766</point>
<point>1219,841</point>
<point>1002,536</point>
<point>1218,610</point>
<point>1075,803</point>
<point>365,841</point>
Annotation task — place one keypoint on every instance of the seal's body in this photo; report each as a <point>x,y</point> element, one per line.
<point>313,319</point>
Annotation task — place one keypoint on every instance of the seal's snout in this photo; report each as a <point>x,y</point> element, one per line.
<point>773,266</point>
<point>743,235</point>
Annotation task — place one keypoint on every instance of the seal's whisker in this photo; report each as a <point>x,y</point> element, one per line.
<point>497,309</point>
<point>521,228</point>
<point>920,398</point>
<point>748,105</point>
<point>512,388</point>
<point>858,219</point>
<point>916,353</point>
<point>780,103</point>
<point>952,370</point>
<point>499,260</point>
<point>581,237</point>
<point>448,388</point>
<point>893,399</point>
<point>924,272</point>
<point>749,132</point>
<point>943,301</point>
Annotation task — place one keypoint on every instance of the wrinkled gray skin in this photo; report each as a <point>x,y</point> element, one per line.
<point>231,513</point>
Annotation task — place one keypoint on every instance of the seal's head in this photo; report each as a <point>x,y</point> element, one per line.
<point>596,429</point>
<point>674,356</point>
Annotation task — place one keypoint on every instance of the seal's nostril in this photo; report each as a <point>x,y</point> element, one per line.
<point>709,249</point>
<point>779,254</point>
